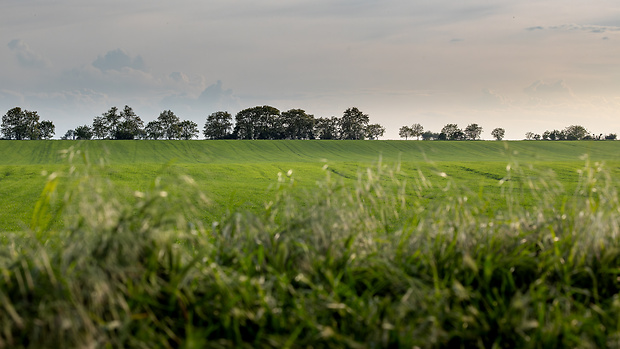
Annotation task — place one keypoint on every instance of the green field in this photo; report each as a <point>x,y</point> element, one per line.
<point>298,244</point>
<point>239,175</point>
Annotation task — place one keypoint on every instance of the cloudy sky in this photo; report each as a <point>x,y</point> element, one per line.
<point>521,65</point>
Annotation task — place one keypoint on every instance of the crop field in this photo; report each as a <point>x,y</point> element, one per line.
<point>240,175</point>
<point>309,244</point>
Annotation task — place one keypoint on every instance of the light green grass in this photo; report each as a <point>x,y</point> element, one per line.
<point>238,174</point>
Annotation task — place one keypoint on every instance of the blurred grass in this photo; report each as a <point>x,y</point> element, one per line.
<point>364,259</point>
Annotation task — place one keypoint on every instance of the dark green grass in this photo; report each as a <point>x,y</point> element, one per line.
<point>230,152</point>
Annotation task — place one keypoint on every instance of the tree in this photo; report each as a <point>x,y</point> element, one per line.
<point>452,132</point>
<point>258,123</point>
<point>46,129</point>
<point>554,135</point>
<point>83,132</point>
<point>405,132</point>
<point>498,133</point>
<point>529,136</point>
<point>218,126</point>
<point>473,132</point>
<point>353,124</point>
<point>112,120</point>
<point>327,128</point>
<point>130,127</point>
<point>611,137</point>
<point>100,127</point>
<point>24,124</point>
<point>296,124</point>
<point>153,130</point>
<point>11,124</point>
<point>70,135</point>
<point>575,132</point>
<point>428,135</point>
<point>188,130</point>
<point>169,124</point>
<point>374,131</point>
<point>417,130</point>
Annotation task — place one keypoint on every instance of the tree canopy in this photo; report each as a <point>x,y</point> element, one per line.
<point>24,124</point>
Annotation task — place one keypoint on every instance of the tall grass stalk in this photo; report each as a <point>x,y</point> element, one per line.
<point>370,265</point>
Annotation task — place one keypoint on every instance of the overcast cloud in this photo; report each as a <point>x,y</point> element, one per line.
<point>525,66</point>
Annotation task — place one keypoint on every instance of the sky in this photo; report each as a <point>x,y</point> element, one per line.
<point>525,66</point>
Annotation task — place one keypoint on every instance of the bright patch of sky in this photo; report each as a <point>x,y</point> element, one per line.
<point>524,66</point>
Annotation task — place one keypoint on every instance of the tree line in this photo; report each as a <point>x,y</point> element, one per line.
<point>260,122</point>
<point>570,133</point>
<point>473,132</point>
<point>450,132</point>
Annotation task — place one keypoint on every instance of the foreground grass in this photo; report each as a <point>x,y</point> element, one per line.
<point>373,264</point>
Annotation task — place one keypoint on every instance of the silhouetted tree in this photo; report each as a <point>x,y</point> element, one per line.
<point>473,132</point>
<point>327,128</point>
<point>428,136</point>
<point>374,131</point>
<point>69,135</point>
<point>169,124</point>
<point>554,135</point>
<point>130,127</point>
<point>46,129</point>
<point>417,130</point>
<point>451,132</point>
<point>153,130</point>
<point>498,133</point>
<point>353,124</point>
<point>112,120</point>
<point>218,126</point>
<point>24,124</point>
<point>258,123</point>
<point>405,132</point>
<point>189,130</point>
<point>100,127</point>
<point>83,132</point>
<point>575,132</point>
<point>296,124</point>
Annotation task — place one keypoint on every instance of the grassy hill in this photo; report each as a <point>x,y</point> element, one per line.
<point>223,152</point>
<point>239,174</point>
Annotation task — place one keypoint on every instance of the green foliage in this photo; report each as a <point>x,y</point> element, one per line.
<point>472,132</point>
<point>24,124</point>
<point>353,124</point>
<point>498,133</point>
<point>374,131</point>
<point>327,128</point>
<point>297,124</point>
<point>258,123</point>
<point>372,264</point>
<point>218,125</point>
<point>451,132</point>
